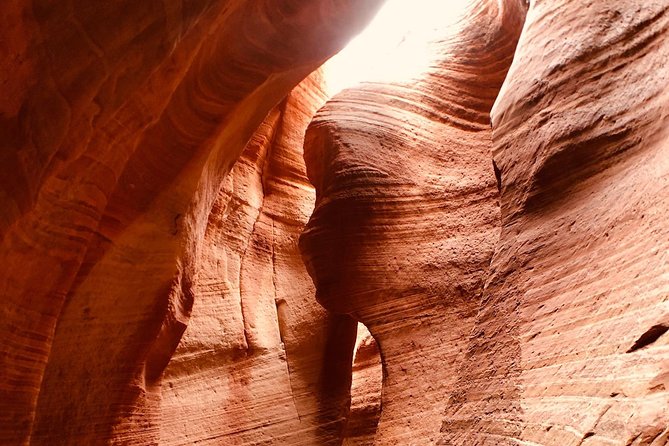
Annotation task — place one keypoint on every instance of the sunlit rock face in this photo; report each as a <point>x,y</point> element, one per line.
<point>407,213</point>
<point>570,345</point>
<point>119,123</point>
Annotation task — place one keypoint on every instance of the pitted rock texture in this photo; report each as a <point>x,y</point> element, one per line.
<point>570,346</point>
<point>407,217</point>
<point>120,121</point>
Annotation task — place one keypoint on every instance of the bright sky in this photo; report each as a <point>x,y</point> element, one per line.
<point>394,45</point>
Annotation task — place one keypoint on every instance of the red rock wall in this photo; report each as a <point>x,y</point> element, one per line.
<point>407,213</point>
<point>568,345</point>
<point>567,349</point>
<point>256,364</point>
<point>119,124</point>
<point>153,294</point>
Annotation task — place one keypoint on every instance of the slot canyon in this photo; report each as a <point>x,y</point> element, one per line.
<point>204,241</point>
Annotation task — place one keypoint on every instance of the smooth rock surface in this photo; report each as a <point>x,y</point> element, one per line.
<point>120,121</point>
<point>407,214</point>
<point>570,346</point>
<point>502,231</point>
<point>260,362</point>
<point>366,387</point>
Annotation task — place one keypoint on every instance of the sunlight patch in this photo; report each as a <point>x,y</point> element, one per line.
<point>395,45</point>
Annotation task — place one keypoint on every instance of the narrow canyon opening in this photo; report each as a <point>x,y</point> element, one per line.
<point>366,385</point>
<point>222,225</point>
<point>395,45</point>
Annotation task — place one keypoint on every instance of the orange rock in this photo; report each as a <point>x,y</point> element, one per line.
<point>566,350</point>
<point>406,215</point>
<point>153,189</point>
<point>257,362</point>
<point>118,142</point>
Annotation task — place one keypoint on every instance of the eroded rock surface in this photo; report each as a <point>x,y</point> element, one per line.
<point>154,294</point>
<point>569,346</point>
<point>119,124</point>
<point>406,215</point>
<point>261,362</point>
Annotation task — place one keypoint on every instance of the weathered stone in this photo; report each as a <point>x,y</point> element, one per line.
<point>407,213</point>
<point>566,349</point>
<point>120,122</point>
<point>510,260</point>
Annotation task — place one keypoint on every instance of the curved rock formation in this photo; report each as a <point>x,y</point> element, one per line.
<point>570,346</point>
<point>258,362</point>
<point>119,125</point>
<point>406,214</point>
<point>152,193</point>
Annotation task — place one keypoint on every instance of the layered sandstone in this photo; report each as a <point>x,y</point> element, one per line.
<point>260,362</point>
<point>570,345</point>
<point>406,215</point>
<point>120,122</point>
<point>503,235</point>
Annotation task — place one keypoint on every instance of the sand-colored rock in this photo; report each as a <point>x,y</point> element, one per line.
<point>406,215</point>
<point>569,347</point>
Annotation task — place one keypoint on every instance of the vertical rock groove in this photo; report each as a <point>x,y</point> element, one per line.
<point>258,367</point>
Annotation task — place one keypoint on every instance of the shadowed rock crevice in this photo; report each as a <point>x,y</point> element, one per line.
<point>651,335</point>
<point>271,364</point>
<point>367,377</point>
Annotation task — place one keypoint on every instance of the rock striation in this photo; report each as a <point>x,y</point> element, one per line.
<point>498,223</point>
<point>120,122</point>
<point>570,345</point>
<point>407,213</point>
<point>260,362</point>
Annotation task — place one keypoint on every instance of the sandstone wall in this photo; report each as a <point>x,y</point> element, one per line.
<point>260,361</point>
<point>120,121</point>
<point>407,213</point>
<point>366,387</point>
<point>500,227</point>
<point>568,347</point>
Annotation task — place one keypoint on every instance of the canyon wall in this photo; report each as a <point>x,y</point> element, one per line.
<point>260,362</point>
<point>561,340</point>
<point>569,346</point>
<point>499,224</point>
<point>120,122</point>
<point>366,387</point>
<point>407,213</point>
